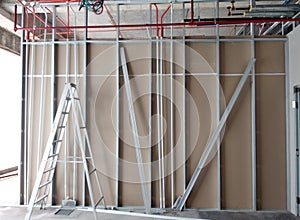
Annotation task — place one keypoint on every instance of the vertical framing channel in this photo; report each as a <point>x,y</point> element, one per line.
<point>118,107</point>
<point>67,129</point>
<point>172,114</point>
<point>296,132</point>
<point>158,121</point>
<point>161,125</point>
<point>150,104</point>
<point>53,90</point>
<point>23,163</point>
<point>28,122</point>
<point>253,116</point>
<point>85,92</point>
<point>219,204</point>
<point>75,45</point>
<point>287,110</point>
<point>183,102</point>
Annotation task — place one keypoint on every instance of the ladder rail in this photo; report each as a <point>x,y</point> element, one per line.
<point>56,148</point>
<point>85,165</point>
<point>47,150</point>
<point>90,150</point>
<point>45,175</point>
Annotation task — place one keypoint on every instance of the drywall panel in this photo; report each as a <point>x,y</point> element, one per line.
<point>37,132</point>
<point>103,135</point>
<point>74,54</point>
<point>234,57</point>
<point>271,145</point>
<point>131,194</point>
<point>102,114</point>
<point>200,123</point>
<point>236,148</point>
<point>269,57</point>
<point>138,57</point>
<point>36,65</point>
<point>199,94</point>
<point>201,57</point>
<point>178,148</point>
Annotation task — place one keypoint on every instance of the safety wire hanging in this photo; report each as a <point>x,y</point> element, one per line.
<point>95,6</point>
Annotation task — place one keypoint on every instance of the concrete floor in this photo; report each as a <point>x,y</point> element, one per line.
<point>16,213</point>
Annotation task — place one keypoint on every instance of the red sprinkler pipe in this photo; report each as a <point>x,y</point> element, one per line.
<point>156,17</point>
<point>198,24</point>
<point>161,20</point>
<point>39,18</point>
<point>15,18</point>
<point>131,29</point>
<point>56,1</point>
<point>33,33</point>
<point>27,24</point>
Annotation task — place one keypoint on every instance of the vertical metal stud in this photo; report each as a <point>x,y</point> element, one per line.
<point>24,146</point>
<point>288,118</point>
<point>184,103</point>
<point>150,105</point>
<point>53,89</point>
<point>253,115</point>
<point>219,202</point>
<point>85,92</point>
<point>172,114</point>
<point>118,108</point>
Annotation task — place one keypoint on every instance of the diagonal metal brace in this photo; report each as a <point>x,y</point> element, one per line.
<point>209,147</point>
<point>135,132</point>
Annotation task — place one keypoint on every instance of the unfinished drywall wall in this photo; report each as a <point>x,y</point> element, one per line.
<point>199,97</point>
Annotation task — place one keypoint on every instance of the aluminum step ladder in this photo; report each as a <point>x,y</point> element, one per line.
<point>69,101</point>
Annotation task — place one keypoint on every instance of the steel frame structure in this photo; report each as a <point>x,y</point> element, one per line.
<point>156,39</point>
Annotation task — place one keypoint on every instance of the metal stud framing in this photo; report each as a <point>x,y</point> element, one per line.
<point>154,78</point>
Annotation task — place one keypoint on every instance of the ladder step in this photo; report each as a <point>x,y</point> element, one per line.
<point>65,113</point>
<point>97,203</point>
<point>45,184</point>
<point>52,155</point>
<point>76,98</point>
<point>83,127</point>
<point>68,98</point>
<point>92,171</point>
<point>56,141</point>
<point>60,127</point>
<point>40,199</point>
<point>48,170</point>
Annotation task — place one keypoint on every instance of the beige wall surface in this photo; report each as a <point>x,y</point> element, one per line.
<point>196,104</point>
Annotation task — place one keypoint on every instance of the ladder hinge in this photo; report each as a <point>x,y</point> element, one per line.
<point>298,200</point>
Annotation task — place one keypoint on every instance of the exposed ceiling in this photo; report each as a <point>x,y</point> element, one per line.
<point>130,12</point>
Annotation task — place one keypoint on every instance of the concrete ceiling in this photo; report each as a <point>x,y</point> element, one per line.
<point>137,12</point>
